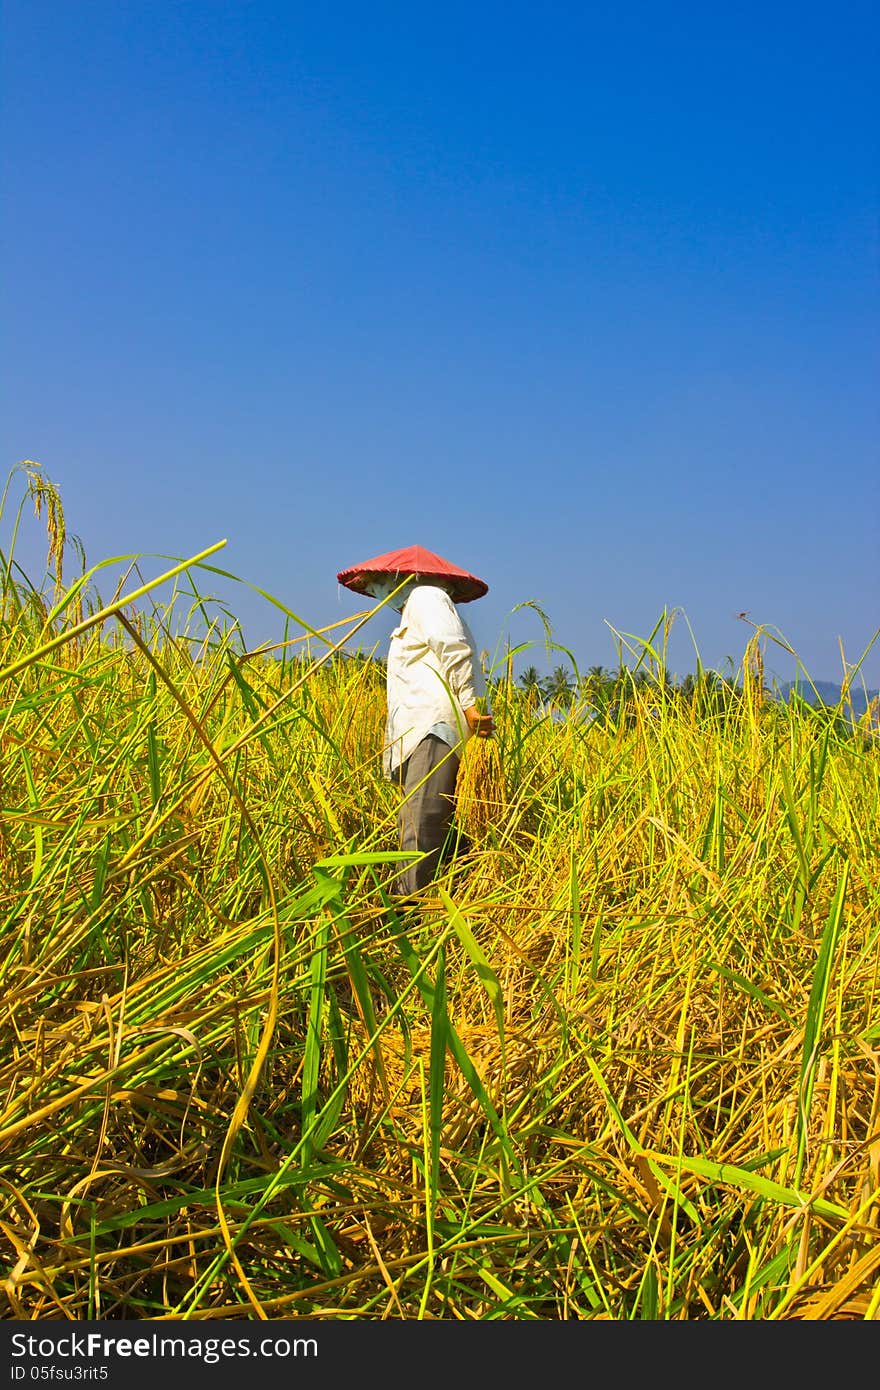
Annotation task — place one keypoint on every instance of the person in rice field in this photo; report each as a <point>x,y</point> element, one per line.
<point>433,685</point>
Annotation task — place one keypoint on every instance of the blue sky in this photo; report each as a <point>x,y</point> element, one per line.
<point>584,298</point>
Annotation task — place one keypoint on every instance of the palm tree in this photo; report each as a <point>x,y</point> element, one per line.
<point>688,688</point>
<point>595,682</point>
<point>558,687</point>
<point>530,680</point>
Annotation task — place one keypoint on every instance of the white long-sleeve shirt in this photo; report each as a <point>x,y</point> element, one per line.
<point>433,674</point>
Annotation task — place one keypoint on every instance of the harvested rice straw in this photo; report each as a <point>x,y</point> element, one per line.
<point>509,1074</point>
<point>480,789</point>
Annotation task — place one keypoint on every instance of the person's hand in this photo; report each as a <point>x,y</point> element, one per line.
<point>482,725</point>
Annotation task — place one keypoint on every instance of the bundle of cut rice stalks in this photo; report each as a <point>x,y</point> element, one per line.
<point>480,789</point>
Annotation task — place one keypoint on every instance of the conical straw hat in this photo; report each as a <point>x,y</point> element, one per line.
<point>415,560</point>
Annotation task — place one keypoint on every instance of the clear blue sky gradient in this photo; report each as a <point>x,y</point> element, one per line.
<point>583,297</point>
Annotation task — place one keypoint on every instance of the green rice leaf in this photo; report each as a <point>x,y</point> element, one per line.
<point>437,1077</point>
<point>736,1176</point>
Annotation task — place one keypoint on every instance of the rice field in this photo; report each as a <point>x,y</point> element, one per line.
<point>623,1064</point>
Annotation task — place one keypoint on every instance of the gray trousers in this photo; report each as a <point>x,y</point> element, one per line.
<point>427,779</point>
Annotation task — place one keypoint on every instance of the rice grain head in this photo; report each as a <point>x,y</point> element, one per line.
<point>480,789</point>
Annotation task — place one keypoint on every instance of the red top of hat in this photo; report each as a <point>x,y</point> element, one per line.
<point>415,560</point>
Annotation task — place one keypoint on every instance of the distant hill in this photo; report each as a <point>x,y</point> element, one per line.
<point>828,693</point>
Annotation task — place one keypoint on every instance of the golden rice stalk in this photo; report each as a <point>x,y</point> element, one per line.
<point>870,720</point>
<point>753,674</point>
<point>480,789</point>
<point>509,1074</point>
<point>45,494</point>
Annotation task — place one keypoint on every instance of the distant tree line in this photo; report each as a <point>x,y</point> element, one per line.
<point>603,693</point>
<point>605,689</point>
